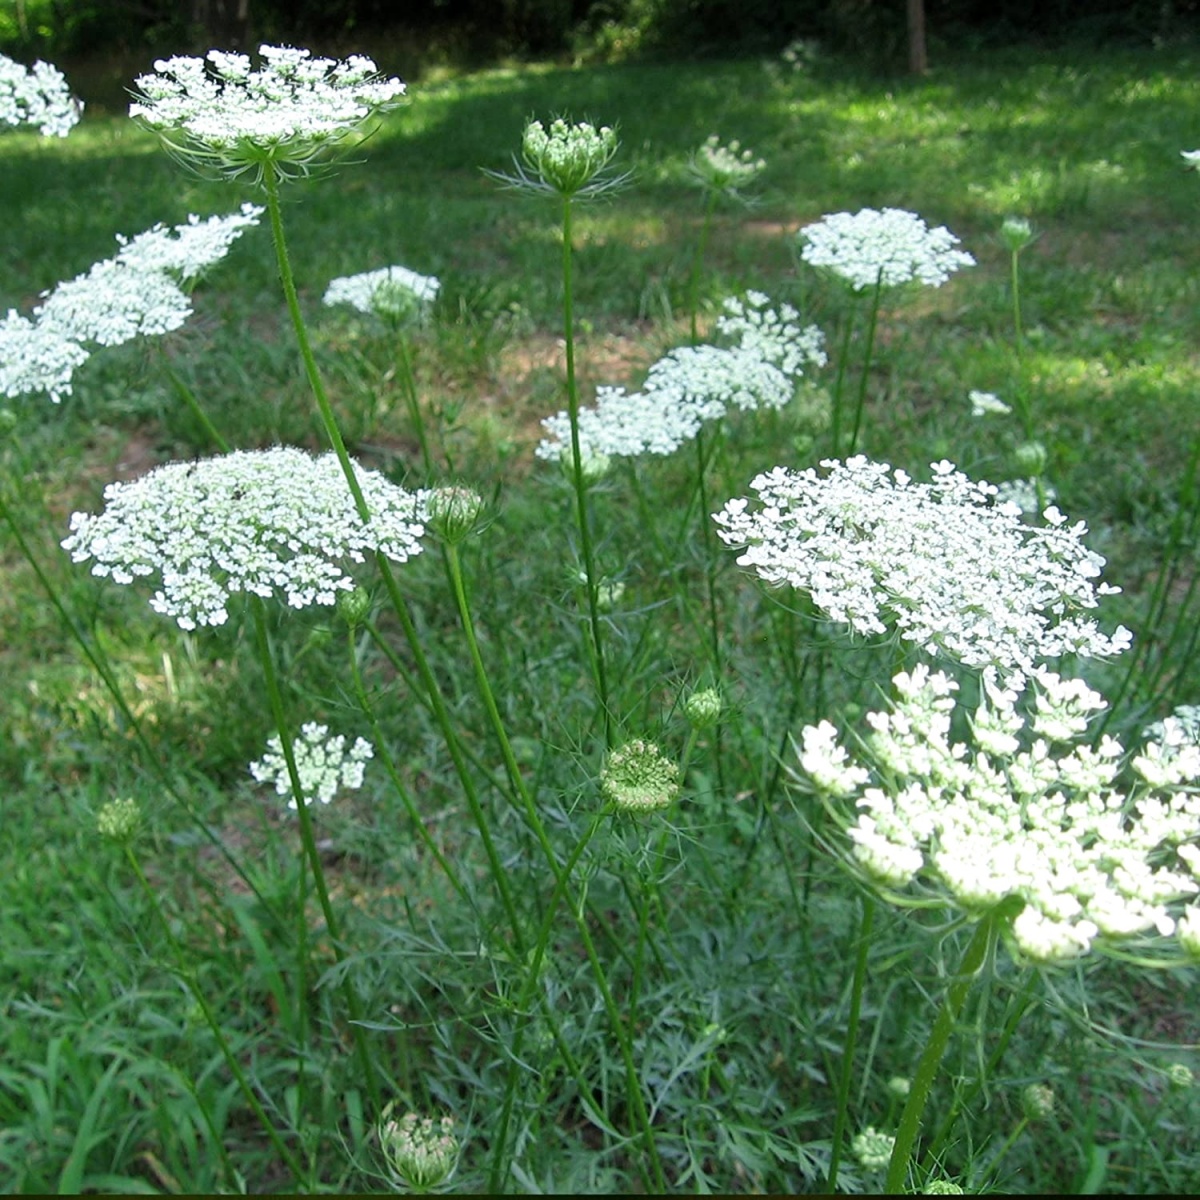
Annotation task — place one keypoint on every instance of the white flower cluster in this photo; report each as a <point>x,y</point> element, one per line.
<point>567,158</point>
<point>136,293</point>
<point>695,384</point>
<point>1022,814</point>
<point>261,522</point>
<point>1191,159</point>
<point>987,403</point>
<point>323,764</point>
<point>388,292</point>
<point>37,96</point>
<point>220,111</point>
<point>725,168</point>
<point>422,1152</point>
<point>937,562</point>
<point>891,247</point>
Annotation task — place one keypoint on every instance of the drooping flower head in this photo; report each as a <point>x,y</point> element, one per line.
<point>725,169</point>
<point>395,293</point>
<point>37,97</point>
<point>223,114</point>
<point>939,563</point>
<point>890,247</point>
<point>1028,816</point>
<point>263,522</point>
<point>323,764</point>
<point>187,251</point>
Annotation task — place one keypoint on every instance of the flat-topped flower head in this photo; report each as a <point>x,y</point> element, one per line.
<point>939,563</point>
<point>568,158</point>
<point>725,169</point>
<point>223,114</point>
<point>1040,825</point>
<point>264,522</point>
<point>323,764</point>
<point>986,404</point>
<point>37,97</point>
<point>889,247</point>
<point>394,293</point>
<point>35,358</point>
<point>187,251</point>
<point>1191,159</point>
<point>774,334</point>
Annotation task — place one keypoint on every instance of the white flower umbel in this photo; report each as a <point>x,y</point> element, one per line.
<point>774,335</point>
<point>1041,827</point>
<point>323,764</point>
<point>937,563</point>
<point>37,97</point>
<point>985,403</point>
<point>223,113</point>
<point>696,384</point>
<point>725,169</point>
<point>266,522</point>
<point>890,247</point>
<point>388,292</point>
<point>36,359</point>
<point>1191,159</point>
<point>187,251</point>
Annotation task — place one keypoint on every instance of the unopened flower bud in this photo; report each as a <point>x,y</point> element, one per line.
<point>639,778</point>
<point>421,1152</point>
<point>594,464</point>
<point>1016,233</point>
<point>1180,1076</point>
<point>899,1086</point>
<point>1037,1101</point>
<point>119,820</point>
<point>454,512</point>
<point>941,1187</point>
<point>567,157</point>
<point>703,708</point>
<point>1031,458</point>
<point>353,606</point>
<point>872,1149</point>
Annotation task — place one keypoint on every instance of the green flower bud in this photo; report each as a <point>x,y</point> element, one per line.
<point>1037,1101</point>
<point>454,512</point>
<point>1016,233</point>
<point>119,820</point>
<point>1031,458</point>
<point>639,778</point>
<point>421,1152</point>
<point>899,1086</point>
<point>353,606</point>
<point>872,1149</point>
<point>568,158</point>
<point>595,464</point>
<point>941,1187</point>
<point>1180,1076</point>
<point>703,709</point>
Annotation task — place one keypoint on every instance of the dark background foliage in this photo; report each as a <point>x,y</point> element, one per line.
<point>477,30</point>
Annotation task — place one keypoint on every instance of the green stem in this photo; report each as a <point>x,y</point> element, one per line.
<point>309,841</point>
<point>697,262</point>
<point>310,363</point>
<point>580,484</point>
<point>186,394</point>
<point>847,1069</point>
<point>973,959</point>
<point>839,379</point>
<point>866,367</point>
<point>210,1017</point>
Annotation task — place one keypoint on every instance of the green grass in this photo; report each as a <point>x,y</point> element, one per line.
<point>727,934</point>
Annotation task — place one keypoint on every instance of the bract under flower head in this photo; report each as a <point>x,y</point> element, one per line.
<point>393,292</point>
<point>937,563</point>
<point>1015,817</point>
<point>38,97</point>
<point>263,522</point>
<point>323,764</point>
<point>223,114</point>
<point>889,247</point>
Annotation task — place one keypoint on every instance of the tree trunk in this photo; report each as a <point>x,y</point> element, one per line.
<point>918,61</point>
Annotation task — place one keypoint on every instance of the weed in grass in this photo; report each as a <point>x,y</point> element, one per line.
<point>607,906</point>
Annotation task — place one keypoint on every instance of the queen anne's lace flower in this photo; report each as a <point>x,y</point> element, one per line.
<point>264,522</point>
<point>221,112</point>
<point>187,251</point>
<point>638,777</point>
<point>984,403</point>
<point>1025,819</point>
<point>568,158</point>
<point>323,764</point>
<point>725,168</point>
<point>37,96</point>
<point>390,291</point>
<point>891,247</point>
<point>694,384</point>
<point>35,358</point>
<point>936,562</point>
